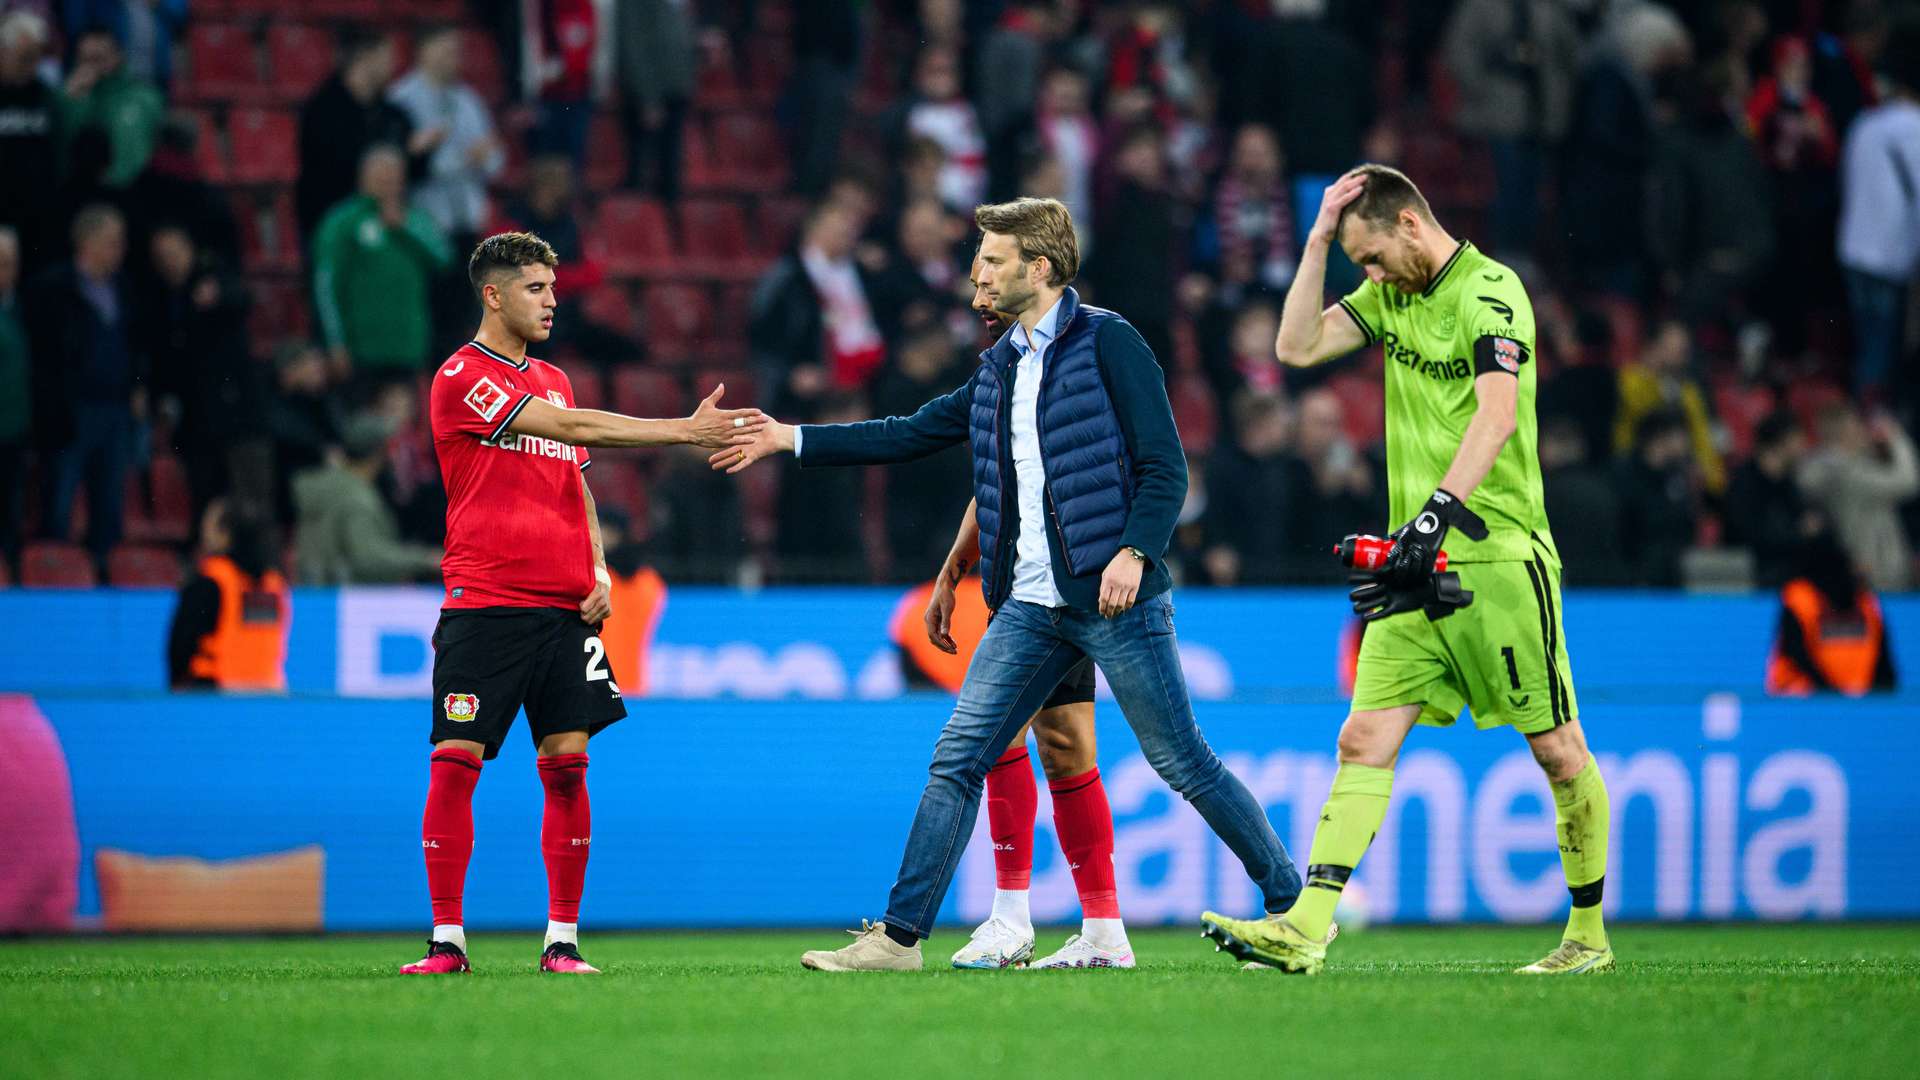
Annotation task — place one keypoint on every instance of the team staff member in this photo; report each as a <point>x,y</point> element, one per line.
<point>527,585</point>
<point>1079,477</point>
<point>230,628</point>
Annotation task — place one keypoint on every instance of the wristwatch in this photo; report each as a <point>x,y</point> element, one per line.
<point>1138,555</point>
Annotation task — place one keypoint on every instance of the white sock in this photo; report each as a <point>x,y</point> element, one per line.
<point>452,933</point>
<point>1010,907</point>
<point>568,932</point>
<point>1109,934</point>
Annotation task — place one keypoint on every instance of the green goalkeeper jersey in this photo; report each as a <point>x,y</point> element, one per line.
<point>1474,318</point>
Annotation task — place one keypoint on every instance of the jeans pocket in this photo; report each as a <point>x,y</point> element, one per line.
<point>1159,616</point>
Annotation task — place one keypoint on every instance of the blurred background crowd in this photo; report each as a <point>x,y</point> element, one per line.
<point>232,240</point>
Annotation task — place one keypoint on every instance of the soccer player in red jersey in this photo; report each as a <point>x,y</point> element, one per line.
<point>527,585</point>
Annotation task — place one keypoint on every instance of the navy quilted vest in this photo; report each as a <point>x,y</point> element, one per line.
<point>1089,479</point>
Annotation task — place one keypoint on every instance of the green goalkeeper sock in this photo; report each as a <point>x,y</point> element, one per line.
<point>1582,817</point>
<point>1352,814</point>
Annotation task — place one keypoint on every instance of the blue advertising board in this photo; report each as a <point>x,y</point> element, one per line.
<point>738,813</point>
<point>832,643</point>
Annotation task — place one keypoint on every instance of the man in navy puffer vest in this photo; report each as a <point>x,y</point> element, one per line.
<point>1079,476</point>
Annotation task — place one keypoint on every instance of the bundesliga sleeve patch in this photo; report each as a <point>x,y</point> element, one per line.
<point>1492,353</point>
<point>486,398</point>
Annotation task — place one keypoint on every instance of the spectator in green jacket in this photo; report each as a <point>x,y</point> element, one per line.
<point>374,261</point>
<point>102,93</point>
<point>348,535</point>
<point>16,397</point>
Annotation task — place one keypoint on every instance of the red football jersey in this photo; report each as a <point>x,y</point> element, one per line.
<point>516,523</point>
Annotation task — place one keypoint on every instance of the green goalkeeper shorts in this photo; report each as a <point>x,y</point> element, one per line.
<point>1503,657</point>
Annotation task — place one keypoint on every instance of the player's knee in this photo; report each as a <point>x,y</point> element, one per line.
<point>1562,752</point>
<point>1065,738</point>
<point>1363,742</point>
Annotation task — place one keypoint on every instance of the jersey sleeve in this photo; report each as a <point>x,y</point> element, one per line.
<point>566,389</point>
<point>1362,305</point>
<point>1497,319</point>
<point>468,400</point>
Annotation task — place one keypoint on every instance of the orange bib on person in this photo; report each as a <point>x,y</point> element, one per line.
<point>1844,644</point>
<point>638,599</point>
<point>969,625</point>
<point>247,649</point>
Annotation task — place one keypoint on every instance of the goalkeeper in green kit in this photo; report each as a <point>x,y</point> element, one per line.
<point>1463,475</point>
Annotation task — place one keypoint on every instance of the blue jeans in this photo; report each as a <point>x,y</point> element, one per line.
<point>1026,651</point>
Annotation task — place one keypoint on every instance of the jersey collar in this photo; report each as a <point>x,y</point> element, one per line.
<point>1448,265</point>
<point>521,365</point>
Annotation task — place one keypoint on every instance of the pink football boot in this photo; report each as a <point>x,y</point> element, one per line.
<point>564,958</point>
<point>443,958</point>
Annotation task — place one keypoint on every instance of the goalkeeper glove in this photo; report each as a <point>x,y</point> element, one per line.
<point>1375,597</point>
<point>1416,544</point>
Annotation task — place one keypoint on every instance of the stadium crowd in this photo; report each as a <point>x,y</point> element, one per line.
<point>232,240</point>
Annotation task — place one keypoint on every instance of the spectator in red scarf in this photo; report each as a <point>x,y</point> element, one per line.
<point>1248,235</point>
<point>1792,125</point>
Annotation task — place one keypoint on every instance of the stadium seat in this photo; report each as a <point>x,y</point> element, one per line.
<point>1806,397</point>
<point>609,305</point>
<point>300,56</point>
<point>714,236</point>
<point>674,318</point>
<point>346,10</point>
<point>143,566</point>
<point>265,146</point>
<point>280,311</point>
<point>1741,407</point>
<point>644,391</point>
<point>633,237</point>
<point>269,233</point>
<point>480,66</point>
<point>48,564</point>
<point>1194,413</point>
<point>606,153</point>
<point>746,150</point>
<point>223,64</point>
<point>740,388</point>
<point>169,515</point>
<point>589,389</point>
<point>717,86</point>
<point>209,145</point>
<point>779,220</point>
<point>619,484</point>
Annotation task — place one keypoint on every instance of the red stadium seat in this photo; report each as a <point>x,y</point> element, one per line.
<point>353,10</point>
<point>633,236</point>
<point>715,237</point>
<point>609,305</point>
<point>589,389</point>
<point>480,66</point>
<point>740,388</point>
<point>266,147</point>
<point>718,86</point>
<point>143,566</point>
<point>606,153</point>
<point>169,516</point>
<point>209,146</point>
<point>1741,407</point>
<point>643,391</point>
<point>780,220</point>
<point>1363,399</point>
<point>300,57</point>
<point>269,233</point>
<point>280,311</point>
<point>619,484</point>
<point>675,318</point>
<point>47,564</point>
<point>1807,397</point>
<point>1194,413</point>
<point>223,64</point>
<point>745,149</point>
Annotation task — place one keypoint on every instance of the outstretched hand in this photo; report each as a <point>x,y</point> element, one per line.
<point>767,440</point>
<point>712,426</point>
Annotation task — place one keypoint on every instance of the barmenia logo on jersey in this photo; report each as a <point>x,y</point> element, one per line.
<point>462,708</point>
<point>534,444</point>
<point>1412,361</point>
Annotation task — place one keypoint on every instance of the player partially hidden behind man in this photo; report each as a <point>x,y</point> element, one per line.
<point>1463,473</point>
<point>527,586</point>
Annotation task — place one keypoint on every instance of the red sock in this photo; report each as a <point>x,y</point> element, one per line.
<point>1085,824</point>
<point>446,832</point>
<point>1012,801</point>
<point>565,832</point>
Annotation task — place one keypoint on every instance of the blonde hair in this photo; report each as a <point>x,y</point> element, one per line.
<point>1041,228</point>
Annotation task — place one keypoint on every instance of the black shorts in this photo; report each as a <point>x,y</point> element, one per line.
<point>1076,688</point>
<point>488,662</point>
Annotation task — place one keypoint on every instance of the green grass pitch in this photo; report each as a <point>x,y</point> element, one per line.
<point>1700,1001</point>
